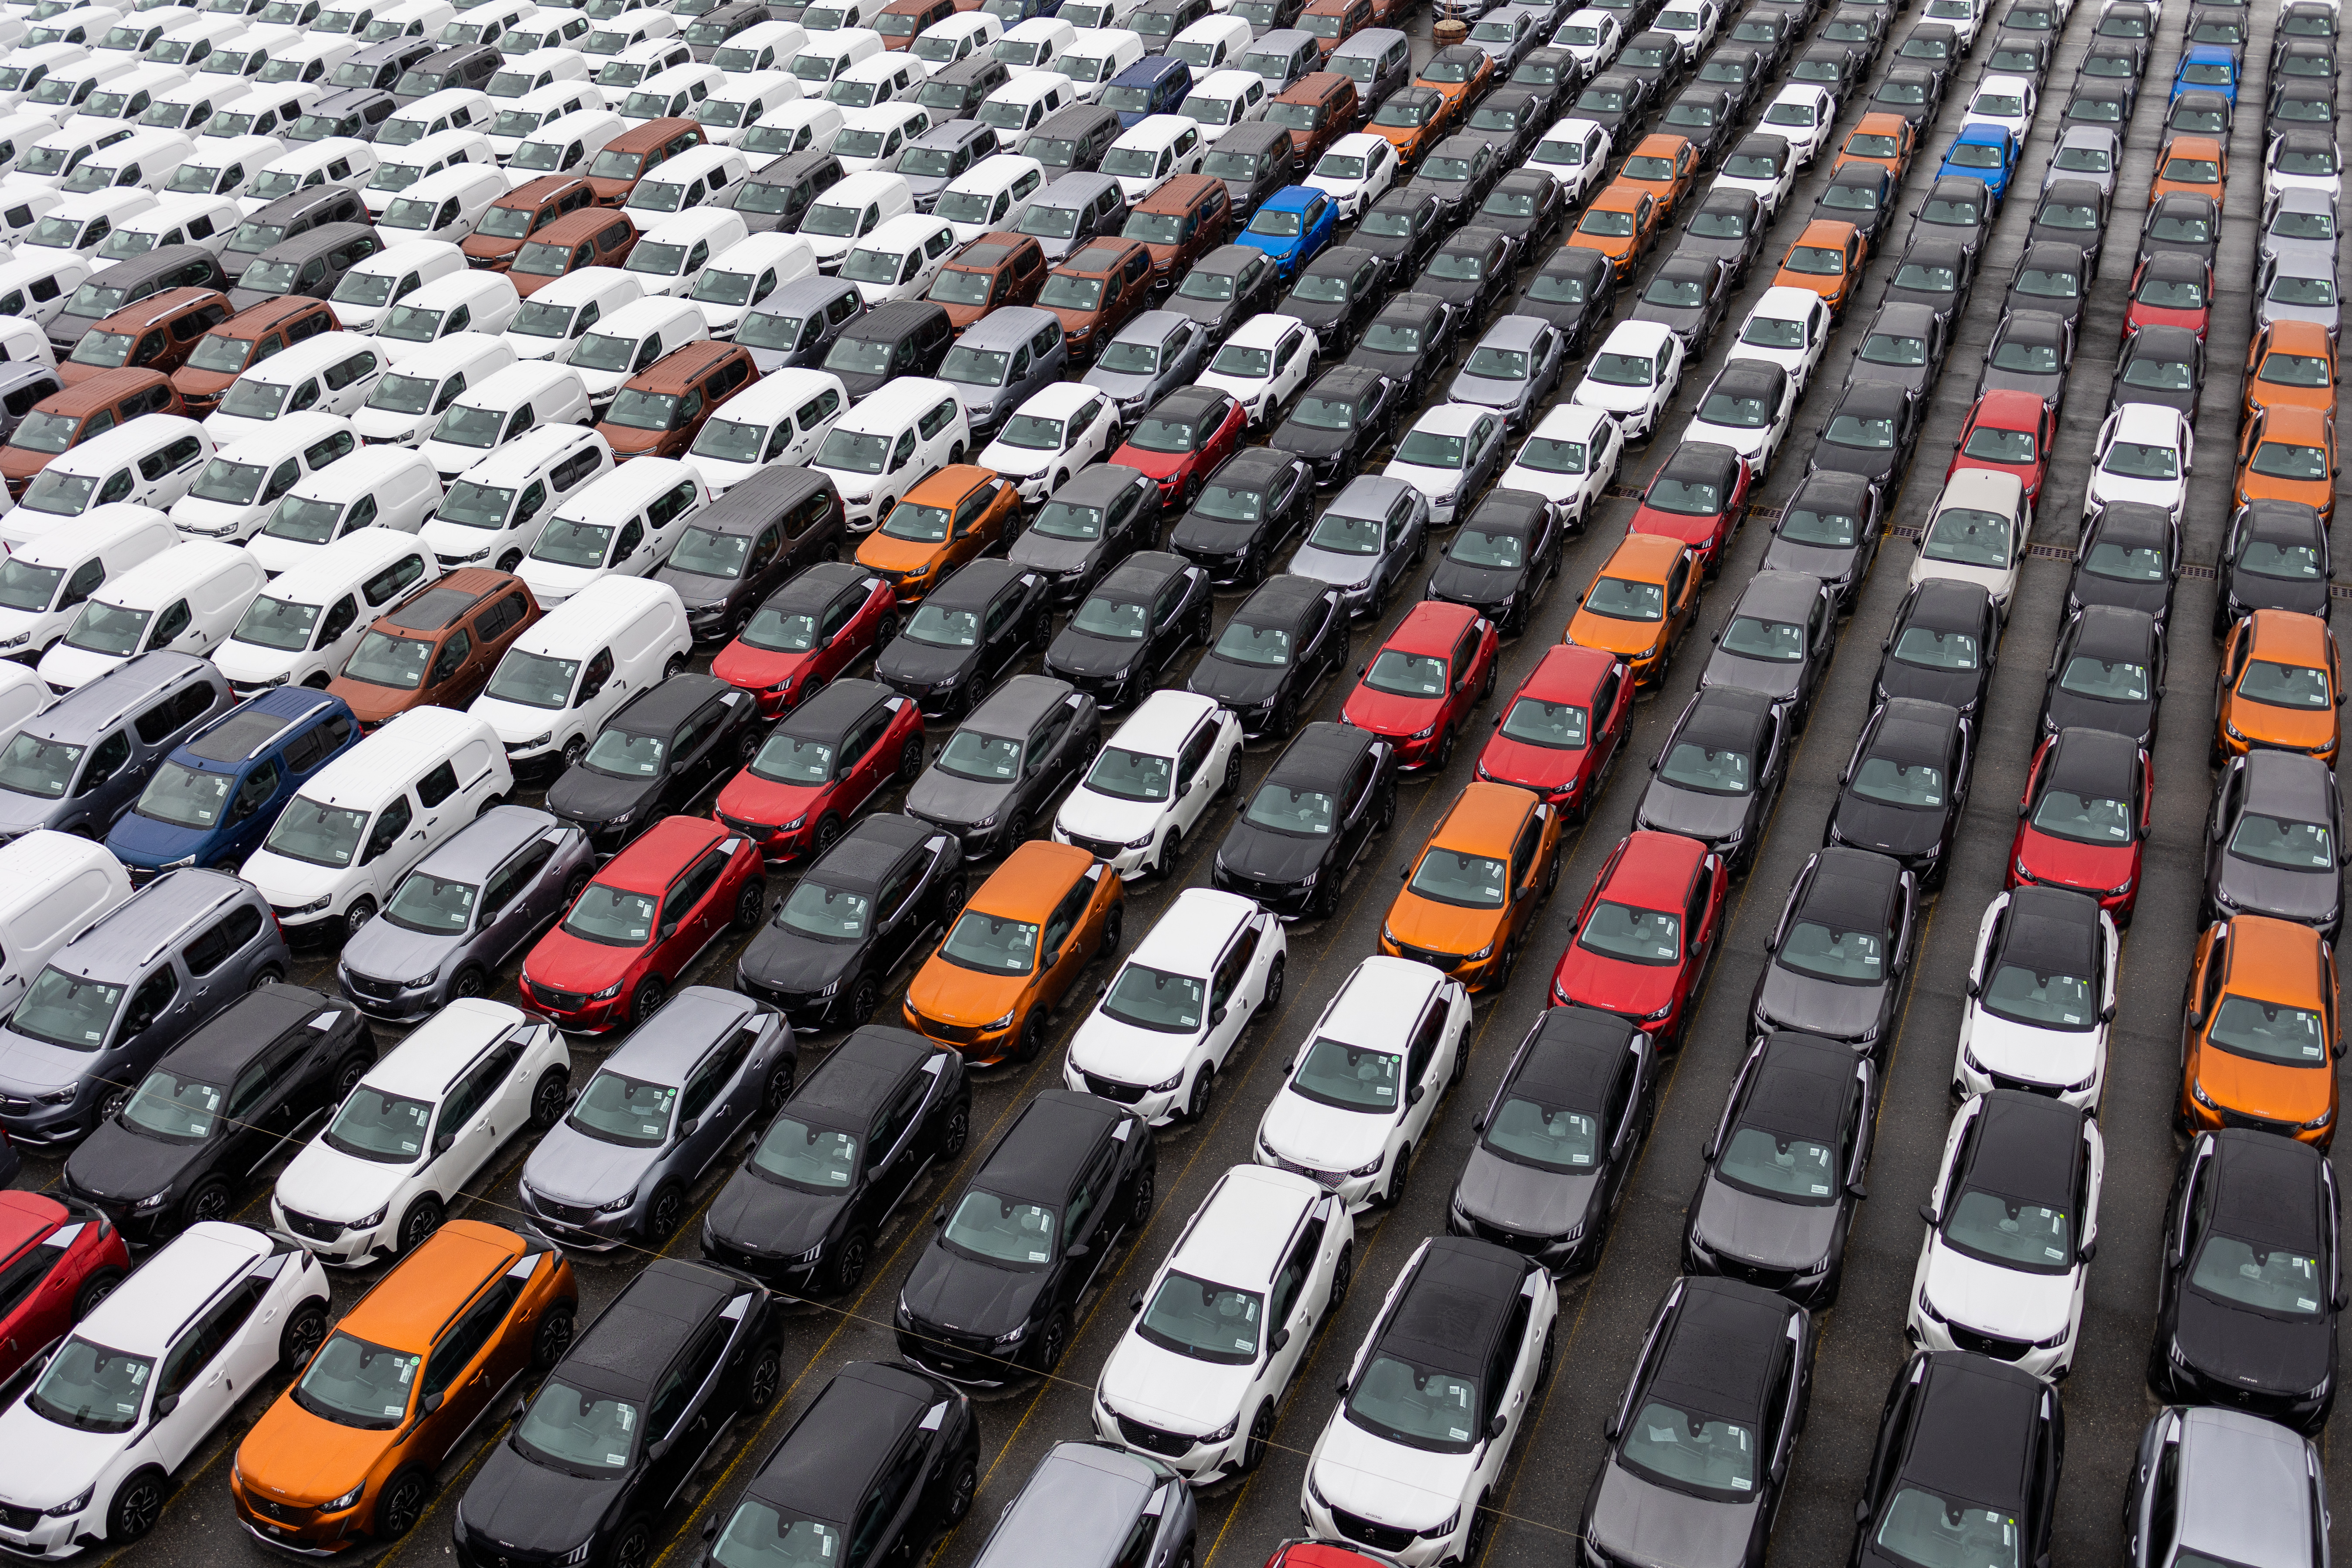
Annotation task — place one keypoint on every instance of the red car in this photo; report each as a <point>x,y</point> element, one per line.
<point>1419,689</point>
<point>1646,933</point>
<point>1560,732</point>
<point>2086,812</point>
<point>1699,495</point>
<point>1183,438</point>
<point>1325,1555</point>
<point>810,630</point>
<point>2172,289</point>
<point>58,1260</point>
<point>2010,431</point>
<point>640,922</point>
<point>821,766</point>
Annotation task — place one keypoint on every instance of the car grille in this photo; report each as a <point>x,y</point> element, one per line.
<point>1499,1236</point>
<point>18,1517</point>
<point>2257,1124</point>
<point>1250,887</point>
<point>754,829</point>
<point>284,1513</point>
<point>560,1001</point>
<point>1100,849</point>
<point>1152,1438</point>
<point>383,989</point>
<point>564,1214</point>
<point>2023,1086</point>
<point>1444,961</point>
<point>954,1033</point>
<point>1381,1537</point>
<point>310,1229</point>
<point>1762,1278</point>
<point>1328,1178</point>
<point>1988,1344</point>
<point>1112,1090</point>
<point>13,1106</point>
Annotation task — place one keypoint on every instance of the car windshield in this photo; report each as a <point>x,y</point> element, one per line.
<point>617,754</point>
<point>586,1434</point>
<point>1626,599</point>
<point>1637,935</point>
<point>617,1108</point>
<point>1204,1322</point>
<point>1829,530</point>
<point>1402,674</point>
<point>1339,166</point>
<point>1750,636</point>
<point>2267,1279</point>
<point>1419,1408</point>
<point>1466,881</point>
<point>2277,685</point>
<point>1550,455</point>
<point>1605,223</point>
<point>2286,461</point>
<point>91,1388</point>
<point>1614,369</point>
<point>1155,999</point>
<point>176,1108</point>
<point>2024,994</point>
<point>1162,433</point>
<point>387,1129</point>
<point>353,1382</point>
<point>1966,537</point>
<point>793,760</point>
<point>1493,550</point>
<point>940,626</point>
<point>1684,497</point>
<point>2288,844</point>
<point>812,1159</point>
<point>2294,369</point>
<point>1267,647</point>
<point>993,944</point>
<point>383,659</point>
<point>2025,359</point>
<point>1907,785</point>
<point>2269,1031</point>
<point>1776,1164</point>
<point>435,906</point>
<point>1930,1532</point>
<point>612,916</point>
<point>2112,680</point>
<point>828,914</point>
<point>1343,535</point>
<point>1692,1452</point>
<point>2084,159</point>
<point>567,541</point>
<point>1996,1228</point>
<point>2287,290</point>
<point>1003,1230</point>
<point>318,835</point>
<point>1130,775</point>
<point>1303,813</point>
<point>185,796</point>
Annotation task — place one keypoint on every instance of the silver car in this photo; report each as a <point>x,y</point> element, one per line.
<point>2223,1486</point>
<point>678,1091</point>
<point>1366,542</point>
<point>469,906</point>
<point>2299,232</point>
<point>1097,1504</point>
<point>2285,292</point>
<point>2085,152</point>
<point>1001,361</point>
<point>1151,356</point>
<point>1515,367</point>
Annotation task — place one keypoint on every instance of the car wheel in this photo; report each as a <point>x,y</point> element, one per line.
<point>94,1290</point>
<point>829,828</point>
<point>362,911</point>
<point>1273,997</point>
<point>1386,808</point>
<point>751,904</point>
<point>468,983</point>
<point>777,1090</point>
<point>951,899</point>
<point>961,1490</point>
<point>1543,1367</point>
<point>848,1265</point>
<point>663,1214</point>
<point>1163,866</point>
<point>417,1226</point>
<point>1286,715</point>
<point>136,1504</point>
<point>267,974</point>
<point>1260,1434</point>
<point>958,1130</point>
<point>1139,1208</point>
<point>864,999</point>
<point>574,750</point>
<point>884,630</point>
<point>1398,1178</point>
<point>400,1505</point>
<point>1205,1089</point>
<point>633,1546</point>
<point>1114,927</point>
<point>1032,1037</point>
<point>1482,1525</point>
<point>1052,1343</point>
<point>548,1098</point>
<point>111,1105</point>
<point>554,1336</point>
<point>1444,750</point>
<point>911,762</point>
<point>304,1333</point>
<point>1232,779</point>
<point>207,1202</point>
<point>767,1375</point>
<point>1343,1274</point>
<point>674,668</point>
<point>651,991</point>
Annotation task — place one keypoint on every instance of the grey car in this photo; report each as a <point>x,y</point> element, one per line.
<point>471,904</point>
<point>1073,210</point>
<point>1731,223</point>
<point>936,158</point>
<point>1514,368</point>
<point>1096,1504</point>
<point>1003,768</point>
<point>2085,152</point>
<point>1366,542</point>
<point>2296,291</point>
<point>1002,360</point>
<point>1100,516</point>
<point>82,763</point>
<point>2225,1486</point>
<point>1838,961</point>
<point>1720,773</point>
<point>1904,343</point>
<point>1689,295</point>
<point>2032,350</point>
<point>2274,842</point>
<point>1156,352</point>
<point>795,326</point>
<point>1778,641</point>
<point>23,382</point>
<point>125,990</point>
<point>2299,231</point>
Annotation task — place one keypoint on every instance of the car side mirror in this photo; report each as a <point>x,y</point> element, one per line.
<point>1862,1512</point>
<point>2089,1250</point>
<point>442,1140</point>
<point>1611,1426</point>
<point>432,1402</point>
<point>1340,1387</point>
<point>166,1405</point>
<point>1497,1427</point>
<point>685,1128</point>
<point>1052,956</point>
<point>668,930</point>
<point>1134,1303</point>
<point>521,1408</point>
<point>1927,1213</point>
<point>1216,1016</point>
<point>1076,1250</point>
<point>710,1530</point>
<point>1413,1096</point>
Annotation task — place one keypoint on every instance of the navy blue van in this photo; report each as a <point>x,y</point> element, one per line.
<point>1155,84</point>
<point>214,799</point>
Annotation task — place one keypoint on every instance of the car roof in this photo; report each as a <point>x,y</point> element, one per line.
<point>654,861</point>
<point>1723,1350</point>
<point>1912,728</point>
<point>1485,819</point>
<point>224,1044</point>
<point>692,1019</point>
<point>832,1452</point>
<point>1041,1151</point>
<point>1572,1057</point>
<point>1653,553</point>
<point>2096,762</point>
<point>2244,1486</point>
<point>437,1279</point>
<point>2054,924</point>
<point>2027,1146</point>
<point>974,584</point>
<point>1450,419</point>
<point>1431,626</point>
<point>1266,464</point>
<point>1701,459</point>
<point>868,852</point>
<point>1948,603</point>
<point>1162,721</point>
<point>1031,880</point>
<point>1511,512</point>
<point>1021,703</point>
<point>1964,1429</point>
<point>1454,1307</point>
<point>1802,1088</point>
<point>2114,630</point>
<point>834,709</point>
<point>2016,325</point>
<point>174,1282</point>
<point>1320,754</point>
<point>1241,1235</point>
<point>849,1086</point>
<point>1195,929</point>
<point>633,1341</point>
<point>1887,396</point>
<point>1283,599</point>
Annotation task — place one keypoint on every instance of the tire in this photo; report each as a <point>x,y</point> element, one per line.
<point>766,1376</point>
<point>1387,809</point>
<point>959,1491</point>
<point>362,911</point>
<point>829,829</point>
<point>1399,1179</point>
<point>138,1502</point>
<point>350,1071</point>
<point>850,1265</point>
<point>1487,690</point>
<point>1261,1433</point>
<point>1052,1343</point>
<point>94,1290</point>
<point>884,630</point>
<point>1503,970</point>
<point>510,560</point>
<point>633,1545</point>
<point>955,454</point>
<point>1204,1089</point>
<point>1165,866</point>
<point>1285,717</point>
<point>1233,773</point>
<point>1482,1525</point>
<point>1444,752</point>
<point>417,1226</point>
<point>112,1106</point>
<point>751,905</point>
<point>676,666</point>
<point>304,1333</point>
<point>663,1212</point>
<point>1017,829</point>
<point>957,1133</point>
<point>864,998</point>
<point>1114,927</point>
<point>549,1098</point>
<point>777,1090</point>
<point>268,975</point>
<point>208,1202</point>
<point>1551,1350</point>
<point>652,991</point>
<point>554,1336</point>
<point>1139,1208</point>
<point>574,750</point>
<point>911,762</point>
<point>468,983</point>
<point>492,803</point>
<point>952,900</point>
<point>1273,978</point>
<point>1032,1037</point>
<point>399,1506</point>
<point>319,682</point>
<point>1343,1274</point>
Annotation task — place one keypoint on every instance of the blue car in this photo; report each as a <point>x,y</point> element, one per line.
<point>1984,153</point>
<point>2207,67</point>
<point>214,798</point>
<point>1155,84</point>
<point>1293,226</point>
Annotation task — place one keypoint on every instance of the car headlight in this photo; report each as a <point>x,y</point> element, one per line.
<point>811,1256</point>
<point>577,1555</point>
<point>152,1202</point>
<point>66,1096</point>
<point>1167,1085</point>
<point>1445,500</point>
<point>72,1506</point>
<point>1649,652</point>
<point>314,907</point>
<point>19,640</point>
<point>2118,892</point>
<point>1373,1169</point>
<point>547,739</point>
<point>947,682</point>
<point>1005,1341</point>
<point>831,986</point>
<point>617,1204</point>
<point>2319,1122</point>
<point>345,1500</point>
<point>1485,952</point>
<point>1003,1023</point>
<point>2054,1342</point>
<point>1315,1491</point>
<point>424,979</point>
<point>1223,1434</point>
<point>2232,730</point>
<point>2197,1092</point>
<point>1142,843</point>
<point>1422,734</point>
<point>1440,1531</point>
<point>986,822</point>
<point>1653,1017</point>
<point>622,819</point>
<point>1928,1310</point>
<point>795,825</point>
<point>2024,875</point>
<point>609,991</point>
<point>480,555</point>
<point>373,1220</point>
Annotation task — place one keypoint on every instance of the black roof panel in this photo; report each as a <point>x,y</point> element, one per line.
<point>1043,1150</point>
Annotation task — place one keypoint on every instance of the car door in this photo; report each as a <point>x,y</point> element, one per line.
<point>211,984</point>
<point>467,1131</point>
<point>1197,775</point>
<point>893,1152</point>
<point>690,749</point>
<point>1234,994</point>
<point>686,1413</point>
<point>1062,953</point>
<point>1423,1068</point>
<point>462,1371</point>
<point>1291,1307</point>
<point>514,904</point>
<point>1087,1227</point>
<point>198,1381</point>
<point>263,1106</point>
<point>712,1110</point>
<point>690,915</point>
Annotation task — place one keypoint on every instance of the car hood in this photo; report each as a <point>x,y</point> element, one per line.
<point>50,1464</point>
<point>922,664</point>
<point>289,883</point>
<point>524,1505</point>
<point>1323,1137</point>
<point>2309,896</point>
<point>1097,815</point>
<point>384,951</point>
<point>1127,1054</point>
<point>1888,829</point>
<point>1310,445</point>
<point>574,1168</point>
<point>950,995</point>
<point>1263,855</point>
<point>2253,1350</point>
<point>309,1460</point>
<point>139,840</point>
<point>2045,387</point>
<point>2131,720</point>
<point>326,1183</point>
<point>1077,654</point>
<point>1637,1521</point>
<point>1236,686</point>
<point>787,961</point>
<point>1058,557</point>
<point>969,1296</point>
<point>1329,566</point>
<point>2269,1088</point>
<point>1769,676</point>
<point>1174,1393</point>
<point>696,590</point>
<point>1814,1007</point>
<point>1761,1230</point>
<point>1121,385</point>
<point>941,797</point>
<point>752,1211</point>
<point>2037,1055</point>
<point>115,1162</point>
<point>2007,1302</point>
<point>583,794</point>
<point>1831,565</point>
<point>1706,817</point>
<point>30,1068</point>
<point>1488,392</point>
<point>1399,368</point>
<point>1610,398</point>
<point>73,667</point>
<point>1374,1479</point>
<point>1523,1199</point>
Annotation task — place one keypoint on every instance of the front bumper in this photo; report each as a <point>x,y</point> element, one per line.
<point>37,1122</point>
<point>1410,1548</point>
<point>794,1276</point>
<point>1198,1461</point>
<point>389,999</point>
<point>1473,973</point>
<point>1124,859</point>
<point>959,1362</point>
<point>1927,1332</point>
<point>776,844</point>
<point>1159,1107</point>
<point>304,1531</point>
<point>806,1011</point>
<point>1559,1255</point>
<point>1806,1287</point>
<point>1354,1191</point>
<point>51,1539</point>
<point>1971,1077</point>
<point>980,1048</point>
<point>336,1246</point>
<point>1285,901</point>
<point>571,1012</point>
<point>577,1228</point>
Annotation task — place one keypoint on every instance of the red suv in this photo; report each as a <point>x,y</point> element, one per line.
<point>58,1260</point>
<point>1645,933</point>
<point>2009,432</point>
<point>1699,495</point>
<point>1182,439</point>
<point>828,761</point>
<point>1419,689</point>
<point>810,630</point>
<point>1562,728</point>
<point>2085,813</point>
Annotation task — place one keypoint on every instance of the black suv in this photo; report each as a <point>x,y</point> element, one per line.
<point>1331,792</point>
<point>1144,615</point>
<point>861,908</point>
<point>1960,1425</point>
<point>1282,642</point>
<point>654,756</point>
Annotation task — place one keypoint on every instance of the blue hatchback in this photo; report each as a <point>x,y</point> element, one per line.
<point>2207,67</point>
<point>214,799</point>
<point>1293,226</point>
<point>1153,85</point>
<point>1985,152</point>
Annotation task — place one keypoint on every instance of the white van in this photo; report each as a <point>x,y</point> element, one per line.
<point>130,95</point>
<point>53,887</point>
<point>188,110</point>
<point>1036,44</point>
<point>224,166</point>
<point>269,110</point>
<point>763,46</point>
<point>331,373</point>
<point>36,283</point>
<point>299,630</point>
<point>1023,104</point>
<point>549,27</point>
<point>742,101</point>
<point>500,407</point>
<point>992,195</point>
<point>486,23</point>
<point>149,461</point>
<point>399,167</point>
<point>436,114</point>
<point>828,53</point>
<point>21,341</point>
<point>424,382</point>
<point>409,19</point>
<point>561,679</point>
<point>344,842</point>
<point>564,146</point>
<point>622,525</point>
<point>469,303</point>
<point>18,131</point>
<point>1223,99</point>
<point>614,32</point>
<point>782,418</point>
<point>365,293</point>
<point>388,489</point>
<point>43,585</point>
<point>549,324</point>
<point>742,275</point>
<point>52,159</point>
<point>631,339</point>
<point>1212,42</point>
<point>669,260</point>
<point>493,511</point>
<point>1152,152</point>
<point>69,88</point>
<point>24,697</point>
<point>207,221</point>
<point>853,208</point>
<point>26,70</point>
<point>331,160</point>
<point>958,38</point>
<point>241,484</point>
<point>313,58</point>
<point>872,139</point>
<point>80,225</point>
<point>837,15</point>
<point>910,405</point>
<point>519,119</point>
<point>881,78</point>
<point>250,53</point>
<point>445,206</point>
<point>185,600</point>
<point>699,176</point>
<point>898,260</point>
<point>21,208</point>
<point>190,44</point>
<point>1096,55</point>
<point>795,127</point>
<point>669,94</point>
<point>647,57</point>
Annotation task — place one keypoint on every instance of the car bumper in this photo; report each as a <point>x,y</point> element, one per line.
<point>1159,1107</point>
<point>1807,1288</point>
<point>2202,1118</point>
<point>776,845</point>
<point>973,1368</point>
<point>303,1532</point>
<point>51,1539</point>
<point>807,1012</point>
<point>1971,1077</point>
<point>310,929</point>
<point>1473,973</point>
<point>980,1048</point>
<point>1227,570</point>
<point>571,1012</point>
<point>1326,1523</point>
<point>794,1276</point>
<point>1197,1461</point>
<point>389,999</point>
<point>1559,1255</point>
<point>1283,902</point>
<point>1356,1192</point>
<point>336,1246</point>
<point>578,1228</point>
<point>1125,860</point>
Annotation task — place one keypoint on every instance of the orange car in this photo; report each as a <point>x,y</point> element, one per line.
<point>1886,140</point>
<point>1641,604</point>
<point>1470,899</point>
<point>1827,258</point>
<point>1461,73</point>
<point>1621,223</point>
<point>2282,680</point>
<point>991,986</point>
<point>1413,118</point>
<point>2289,454</point>
<point>348,1454</point>
<point>960,513</point>
<point>1665,165</point>
<point>2198,164</point>
<point>2290,365</point>
<point>2259,1033</point>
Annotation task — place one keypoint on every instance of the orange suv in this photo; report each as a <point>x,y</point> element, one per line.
<point>960,512</point>
<point>1014,952</point>
<point>1621,223</point>
<point>2198,164</point>
<point>2290,365</point>
<point>1641,604</point>
<point>1470,898</point>
<point>1827,258</point>
<point>1665,165</point>
<point>2282,680</point>
<point>2259,1033</point>
<point>1886,140</point>
<point>2289,454</point>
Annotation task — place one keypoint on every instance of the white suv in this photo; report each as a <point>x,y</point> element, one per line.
<point>1152,784</point>
<point>2042,996</point>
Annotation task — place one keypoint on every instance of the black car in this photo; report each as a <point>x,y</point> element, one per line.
<point>1618,102</point>
<point>1912,90</point>
<point>1403,226</point>
<point>2052,277</point>
<point>2106,673</point>
<point>1779,639</point>
<point>1472,272</point>
<point>1903,345</point>
<point>1769,33</point>
<point>2298,106</point>
<point>1838,962</point>
<point>1719,772</point>
<point>1511,119</point>
<point>2274,842</point>
<point>1905,787</point>
<point>1870,433</point>
<point>2019,54</point>
<point>2032,350</point>
<point>2181,222</point>
<point>1689,294</point>
<point>1936,273</point>
<point>2130,19</point>
<point>1784,1169</point>
<point>901,337</point>
<point>2204,114</point>
<point>802,1213</point>
<point>1526,204</point>
<point>1965,1427</point>
<point>1946,638</point>
<point>1859,28</point>
<point>1956,208</point>
<point>1829,529</point>
<point>1832,67</point>
<point>1862,195</point>
<point>2274,558</point>
<point>861,908</point>
<point>751,541</point>
<point>1501,559</point>
<point>1255,503</point>
<point>1553,75</point>
<point>1006,763</point>
<point>1740,70</point>
<point>624,1421</point>
<point>1099,516</point>
<point>1278,646</point>
<point>1144,615</point>
<point>1225,287</point>
<point>2113,60</point>
<point>1346,415</point>
<point>774,199</point>
<point>2160,364</point>
<point>1337,294</point>
<point>1727,223</point>
<point>1575,291</point>
<point>988,617</point>
<point>1701,1445</point>
<point>1655,60</point>
<point>654,756</point>
<point>1558,1143</point>
<point>1330,792</point>
<point>2071,211</point>
<point>995,1294</point>
<point>1706,117</point>
<point>1932,44</point>
<point>1458,170</point>
<point>217,1107</point>
<point>2129,557</point>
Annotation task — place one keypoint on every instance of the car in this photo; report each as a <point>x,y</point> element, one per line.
<point>1946,1412</point>
<point>827,762</point>
<point>1502,558</point>
<point>2106,673</point>
<point>1254,504</point>
<point>1646,934</point>
<point>1905,787</point>
<point>2272,844</point>
<point>1803,115</point>
<point>2042,996</point>
<point>2071,211</point>
<point>1525,204</point>
<point>2260,1035</point>
<point>2088,805</point>
<point>1620,222</point>
<point>1728,224</point>
<point>2130,558</point>
<point>2288,453</point>
<point>1655,58</point>
<point>1296,222</point>
<point>1904,346</point>
<point>1225,287</point>
<point>2223,1480</point>
<point>1936,274</point>
<point>1783,1170</point>
<point>1788,327</point>
<point>1957,207</point>
<point>1827,529</point>
<point>655,755</point>
<point>1984,151</point>
<point>1689,294</point>
<point>1286,637</point>
<point>1152,784</point>
<point>2294,366</point>
<point>1747,411</point>
<point>1346,415</point>
<point>1263,365</point>
<point>1870,433</point>
<point>822,621</point>
<point>1910,91</point>
<point>1357,170</point>
<point>1141,616</point>
<point>1061,430</point>
<point>1633,375</point>
<point>1376,530</point>
<point>1570,460</point>
<point>1699,495</point>
<point>971,630</point>
<point>214,799</point>
<point>1515,368</point>
<point>1072,1174</point>
<point>1405,226</point>
<point>1943,645</point>
<point>1778,641</point>
<point>1641,604</point>
<point>2052,276</point>
<point>1090,524</point>
<point>1861,194</point>
<point>1472,270</point>
<point>2032,350</point>
<point>1470,896</point>
<point>2145,453</point>
<point>1458,170</point>
<point>2183,223</point>
<point>1184,437</point>
<point>66,1258</point>
<point>1738,71</point>
<point>1764,165</point>
<point>1337,294</point>
<point>2008,432</point>
<point>2299,228</point>
<point>1408,341</point>
<point>1560,732</point>
<point>1151,356</point>
<point>2304,160</point>
<point>2275,557</point>
<point>2088,153</point>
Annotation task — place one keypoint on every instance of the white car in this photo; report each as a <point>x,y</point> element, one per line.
<point>1152,784</point>
<point>1754,164</point>
<point>1575,152</point>
<point>136,1388</point>
<point>1152,152</point>
<point>2042,996</point>
<point>1358,170</point>
<point>1438,1394</point>
<point>1223,99</point>
<point>1788,327</point>
<point>619,525</point>
<point>1593,36</point>
<point>1227,1322</point>
<point>1964,18</point>
<point>1633,375</point>
<point>993,194</point>
<point>1570,460</point>
<point>379,1178</point>
<point>1170,1018</point>
<point>898,259</point>
<point>2146,453</point>
<point>1978,532</point>
<point>1064,427</point>
<point>1446,455</point>
<point>2004,100</point>
<point>1690,23</point>
<point>2014,1220</point>
<point>1363,1089</point>
<point>2304,164</point>
<point>1802,116</point>
<point>1265,364</point>
<point>1747,408</point>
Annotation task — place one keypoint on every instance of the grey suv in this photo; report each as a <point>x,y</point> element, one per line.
<point>1001,360</point>
<point>123,992</point>
<point>1098,1503</point>
<point>82,763</point>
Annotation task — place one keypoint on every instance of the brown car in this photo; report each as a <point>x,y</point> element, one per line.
<point>1317,109</point>
<point>1096,290</point>
<point>1184,219</point>
<point>993,271</point>
<point>437,648</point>
<point>68,418</point>
<point>901,20</point>
<point>522,213</point>
<point>592,236</point>
<point>245,339</point>
<point>156,333</point>
<point>627,157</point>
<point>658,412</point>
<point>1333,22</point>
